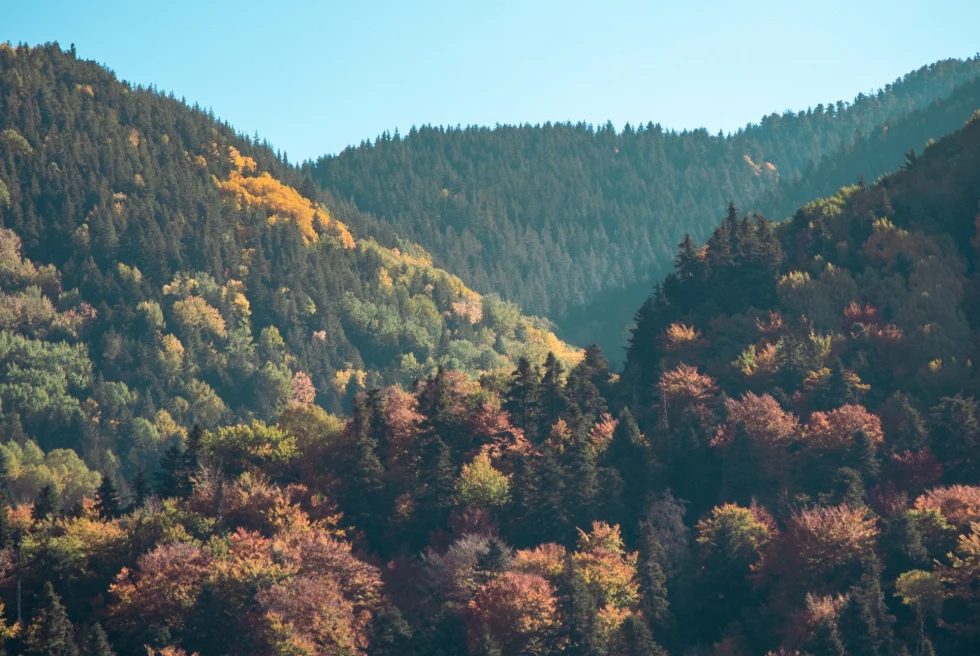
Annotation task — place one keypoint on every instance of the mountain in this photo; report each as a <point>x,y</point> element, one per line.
<point>557,216</point>
<point>161,271</point>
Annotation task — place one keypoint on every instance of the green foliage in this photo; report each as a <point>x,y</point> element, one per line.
<point>250,445</point>
<point>482,486</point>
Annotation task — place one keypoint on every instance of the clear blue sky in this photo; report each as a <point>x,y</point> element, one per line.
<point>313,77</point>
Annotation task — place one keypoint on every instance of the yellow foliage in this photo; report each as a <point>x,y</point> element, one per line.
<point>279,200</point>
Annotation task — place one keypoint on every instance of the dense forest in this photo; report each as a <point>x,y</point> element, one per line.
<point>239,416</point>
<point>575,222</point>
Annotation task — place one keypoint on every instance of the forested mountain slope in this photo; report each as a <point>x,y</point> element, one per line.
<point>607,318</point>
<point>551,216</point>
<point>160,271</point>
<point>787,465</point>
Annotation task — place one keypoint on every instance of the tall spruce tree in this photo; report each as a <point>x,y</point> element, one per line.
<point>50,633</point>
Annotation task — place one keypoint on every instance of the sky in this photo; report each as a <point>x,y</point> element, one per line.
<point>313,77</point>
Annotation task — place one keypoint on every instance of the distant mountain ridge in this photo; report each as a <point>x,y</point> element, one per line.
<point>555,216</point>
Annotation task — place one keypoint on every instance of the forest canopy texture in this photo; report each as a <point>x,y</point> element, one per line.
<point>238,415</point>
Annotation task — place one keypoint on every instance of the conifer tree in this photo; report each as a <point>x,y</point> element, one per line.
<point>51,632</point>
<point>653,581</point>
<point>627,452</point>
<point>140,486</point>
<point>169,478</point>
<point>46,503</point>
<point>826,639</point>
<point>6,528</point>
<point>96,642</point>
<point>363,475</point>
<point>107,499</point>
<point>635,639</point>
<point>551,399</point>
<point>521,400</point>
<point>864,457</point>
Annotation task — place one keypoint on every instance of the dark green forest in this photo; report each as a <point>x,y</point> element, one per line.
<point>576,222</point>
<point>240,415</point>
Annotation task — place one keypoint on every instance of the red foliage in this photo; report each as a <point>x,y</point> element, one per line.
<point>914,471</point>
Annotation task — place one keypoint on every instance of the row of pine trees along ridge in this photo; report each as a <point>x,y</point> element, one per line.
<point>241,416</point>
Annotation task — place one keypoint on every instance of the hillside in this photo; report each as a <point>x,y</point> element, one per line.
<point>607,319</point>
<point>162,271</point>
<point>787,464</point>
<point>555,216</point>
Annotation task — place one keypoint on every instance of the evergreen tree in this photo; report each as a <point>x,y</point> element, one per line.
<point>651,577</point>
<point>363,476</point>
<point>864,457</point>
<point>826,639</point>
<point>552,400</point>
<point>107,499</point>
<point>51,632</point>
<point>634,639</point>
<point>6,528</point>
<point>96,642</point>
<point>627,452</point>
<point>47,502</point>
<point>521,400</point>
<point>140,486</point>
<point>391,635</point>
<point>192,460</point>
<point>170,476</point>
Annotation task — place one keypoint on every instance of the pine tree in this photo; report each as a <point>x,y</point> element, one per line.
<point>362,474</point>
<point>140,486</point>
<point>107,499</point>
<point>551,399</point>
<point>192,460</point>
<point>826,639</point>
<point>390,634</point>
<point>51,632</point>
<point>858,628</point>
<point>521,400</point>
<point>96,642</point>
<point>46,503</point>
<point>627,452</point>
<point>651,577</point>
<point>494,560</point>
<point>169,478</point>
<point>581,480</point>
<point>634,639</point>
<point>6,528</point>
<point>864,457</point>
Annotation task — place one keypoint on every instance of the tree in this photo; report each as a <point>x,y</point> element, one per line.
<point>51,632</point>
<point>864,455</point>
<point>107,499</point>
<point>482,486</point>
<point>634,639</point>
<point>628,453</point>
<point>923,591</point>
<point>521,400</point>
<point>519,611</point>
<point>170,476</point>
<point>651,577</point>
<point>140,486</point>
<point>47,503</point>
<point>825,640</point>
<point>96,642</point>
<point>363,488</point>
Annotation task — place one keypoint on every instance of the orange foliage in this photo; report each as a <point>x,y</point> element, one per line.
<point>607,568</point>
<point>764,421</point>
<point>601,433</point>
<point>518,610</point>
<point>678,335</point>
<point>685,383</point>
<point>958,504</point>
<point>836,429</point>
<point>546,560</point>
<point>303,392</point>
<point>163,589</point>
